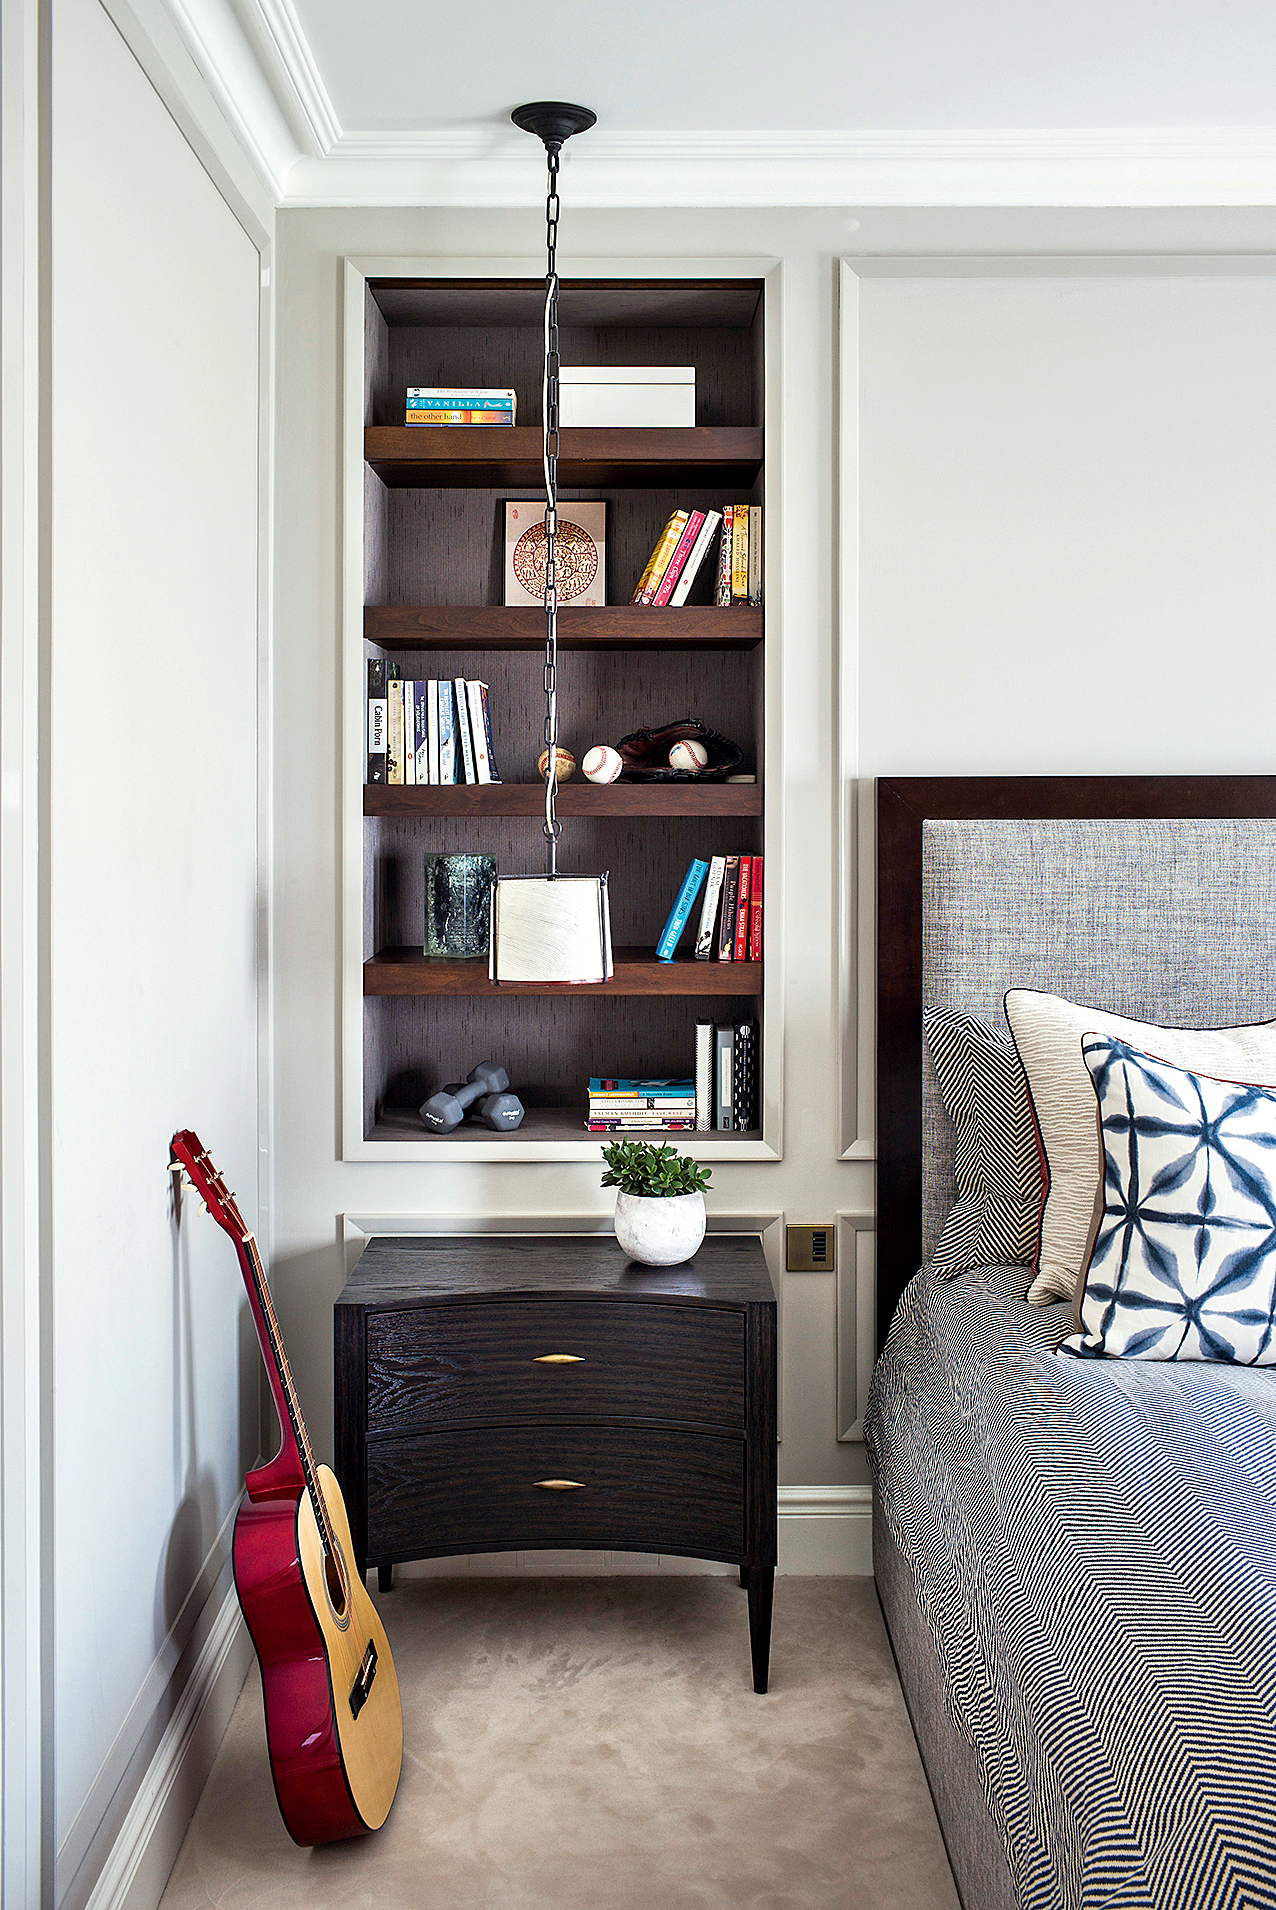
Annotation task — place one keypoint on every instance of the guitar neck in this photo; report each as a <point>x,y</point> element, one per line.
<point>283,1385</point>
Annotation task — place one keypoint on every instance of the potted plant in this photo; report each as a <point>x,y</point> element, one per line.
<point>659,1201</point>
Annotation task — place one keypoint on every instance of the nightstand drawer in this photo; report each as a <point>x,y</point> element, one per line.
<point>597,1487</point>
<point>522,1361</point>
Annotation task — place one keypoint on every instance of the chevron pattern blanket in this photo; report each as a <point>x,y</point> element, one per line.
<point>1094,1545</point>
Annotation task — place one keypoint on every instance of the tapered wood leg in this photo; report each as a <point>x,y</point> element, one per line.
<point>385,1577</point>
<point>760,1583</point>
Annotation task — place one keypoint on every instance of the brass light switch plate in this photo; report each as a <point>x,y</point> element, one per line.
<point>810,1249</point>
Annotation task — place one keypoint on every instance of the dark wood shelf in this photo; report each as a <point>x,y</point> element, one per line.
<point>458,457</point>
<point>405,971</point>
<point>574,799</point>
<point>615,627</point>
<point>539,1124</point>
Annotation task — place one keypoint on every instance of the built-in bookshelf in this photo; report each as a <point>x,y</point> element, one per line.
<point>424,586</point>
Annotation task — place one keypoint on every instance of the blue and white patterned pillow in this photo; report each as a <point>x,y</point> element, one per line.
<point>1184,1258</point>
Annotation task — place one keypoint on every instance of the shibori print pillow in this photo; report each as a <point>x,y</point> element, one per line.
<point>997,1166</point>
<point>1184,1259</point>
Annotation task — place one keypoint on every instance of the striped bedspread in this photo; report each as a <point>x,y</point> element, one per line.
<point>1095,1548</point>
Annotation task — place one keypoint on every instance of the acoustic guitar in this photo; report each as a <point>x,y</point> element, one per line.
<point>334,1725</point>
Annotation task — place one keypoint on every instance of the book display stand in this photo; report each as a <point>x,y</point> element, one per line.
<point>425,509</point>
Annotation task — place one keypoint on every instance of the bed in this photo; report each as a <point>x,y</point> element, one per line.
<point>1076,1559</point>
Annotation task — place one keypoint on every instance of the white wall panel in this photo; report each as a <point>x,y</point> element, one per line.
<point>152,869</point>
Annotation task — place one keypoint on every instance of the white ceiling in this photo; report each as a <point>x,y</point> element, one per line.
<point>809,66</point>
<point>843,103</point>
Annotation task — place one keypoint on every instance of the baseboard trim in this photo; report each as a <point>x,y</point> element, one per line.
<point>137,1869</point>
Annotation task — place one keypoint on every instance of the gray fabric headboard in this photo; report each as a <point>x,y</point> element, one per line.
<point>1168,920</point>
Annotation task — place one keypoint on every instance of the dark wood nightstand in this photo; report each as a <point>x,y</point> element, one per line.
<point>495,1392</point>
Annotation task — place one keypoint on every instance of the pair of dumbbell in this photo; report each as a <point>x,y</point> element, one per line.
<point>485,1085</point>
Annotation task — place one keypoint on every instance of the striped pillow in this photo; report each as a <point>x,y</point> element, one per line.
<point>997,1166</point>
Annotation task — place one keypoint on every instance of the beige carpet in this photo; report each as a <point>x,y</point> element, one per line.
<point>595,1744</point>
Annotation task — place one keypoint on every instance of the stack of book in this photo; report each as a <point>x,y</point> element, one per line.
<point>730,922</point>
<point>685,542</point>
<point>437,730</point>
<point>727,1076</point>
<point>640,1107</point>
<point>458,404</point>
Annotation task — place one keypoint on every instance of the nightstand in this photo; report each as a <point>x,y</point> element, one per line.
<point>500,1392</point>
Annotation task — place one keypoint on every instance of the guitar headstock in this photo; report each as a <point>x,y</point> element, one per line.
<point>186,1150</point>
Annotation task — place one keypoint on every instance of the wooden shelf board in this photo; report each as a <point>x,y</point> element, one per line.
<point>538,1125</point>
<point>615,627</point>
<point>405,971</point>
<point>574,799</point>
<point>453,457</point>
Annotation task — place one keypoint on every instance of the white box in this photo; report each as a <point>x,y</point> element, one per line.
<point>627,395</point>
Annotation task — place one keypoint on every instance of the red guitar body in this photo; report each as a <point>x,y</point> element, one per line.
<point>334,1724</point>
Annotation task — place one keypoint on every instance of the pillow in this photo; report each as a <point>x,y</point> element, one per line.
<point>997,1164</point>
<point>1184,1260</point>
<point>1047,1033</point>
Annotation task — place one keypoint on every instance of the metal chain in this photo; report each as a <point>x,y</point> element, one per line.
<point>549,399</point>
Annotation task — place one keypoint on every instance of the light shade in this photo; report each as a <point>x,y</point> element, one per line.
<point>550,929</point>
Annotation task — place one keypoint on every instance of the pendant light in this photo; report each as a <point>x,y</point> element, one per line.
<point>551,927</point>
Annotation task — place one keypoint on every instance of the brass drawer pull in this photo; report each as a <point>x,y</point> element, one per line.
<point>558,1359</point>
<point>560,1485</point>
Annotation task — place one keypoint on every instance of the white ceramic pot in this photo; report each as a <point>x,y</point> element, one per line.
<point>659,1231</point>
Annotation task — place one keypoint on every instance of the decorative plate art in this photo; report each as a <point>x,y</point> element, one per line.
<point>581,553</point>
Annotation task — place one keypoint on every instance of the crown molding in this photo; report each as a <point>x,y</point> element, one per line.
<point>1131,167</point>
<point>256,60</point>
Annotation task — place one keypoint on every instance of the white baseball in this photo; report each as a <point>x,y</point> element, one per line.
<point>688,755</point>
<point>602,763</point>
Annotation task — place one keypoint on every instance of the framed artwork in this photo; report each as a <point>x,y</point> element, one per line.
<point>581,553</point>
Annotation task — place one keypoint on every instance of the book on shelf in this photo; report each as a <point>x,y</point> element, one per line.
<point>740,947</point>
<point>704,1076</point>
<point>699,551</point>
<point>378,717</point>
<point>735,1076</point>
<point>457,404</point>
<point>680,913</point>
<point>659,561</point>
<point>730,898</point>
<point>427,730</point>
<point>755,911</point>
<point>722,592</point>
<point>709,907</point>
<point>740,554</point>
<point>685,546</point>
<point>723,1076</point>
<point>755,554</point>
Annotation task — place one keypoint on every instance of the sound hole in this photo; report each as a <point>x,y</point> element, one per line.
<point>336,1585</point>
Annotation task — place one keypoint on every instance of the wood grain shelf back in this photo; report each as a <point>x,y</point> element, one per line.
<point>406,971</point>
<point>616,627</point>
<point>461,456</point>
<point>574,799</point>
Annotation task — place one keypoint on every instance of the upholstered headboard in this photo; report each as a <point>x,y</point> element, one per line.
<point>1153,897</point>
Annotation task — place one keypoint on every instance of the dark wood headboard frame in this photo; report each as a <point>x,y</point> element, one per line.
<point>903,805</point>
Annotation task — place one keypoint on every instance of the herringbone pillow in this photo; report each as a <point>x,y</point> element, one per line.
<point>997,1165</point>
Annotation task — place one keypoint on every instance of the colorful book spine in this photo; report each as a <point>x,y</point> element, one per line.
<point>686,544</point>
<point>740,554</point>
<point>664,551</point>
<point>709,908</point>
<point>463,731</point>
<point>378,718</point>
<point>755,911</point>
<point>680,913</point>
<point>461,394</point>
<point>487,729</point>
<point>432,729</point>
<point>704,1076</point>
<point>642,1127</point>
<point>459,416</point>
<point>722,595</point>
<point>394,734</point>
<point>755,555</point>
<point>409,731</point>
<point>650,564</point>
<point>624,1084</point>
<point>741,949</point>
<point>691,569</point>
<point>478,732</point>
<point>730,896</point>
<point>447,732</point>
<point>612,1107</point>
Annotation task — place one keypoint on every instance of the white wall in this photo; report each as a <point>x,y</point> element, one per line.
<point>152,872</point>
<point>1062,507</point>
